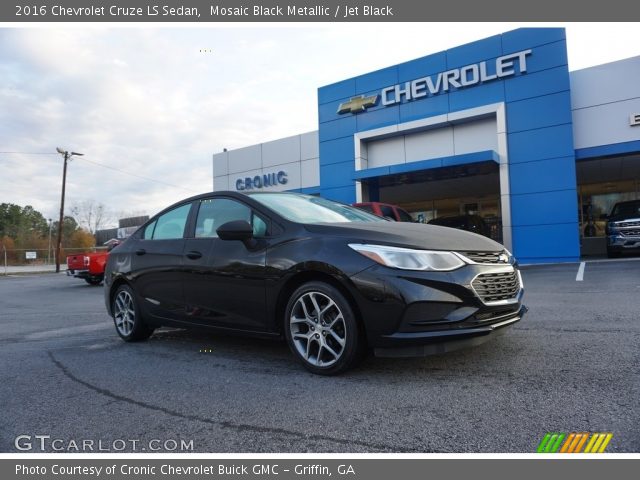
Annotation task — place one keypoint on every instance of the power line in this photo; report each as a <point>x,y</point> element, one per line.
<point>135,175</point>
<point>30,153</point>
<point>107,166</point>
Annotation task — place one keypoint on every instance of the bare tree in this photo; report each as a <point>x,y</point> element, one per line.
<point>92,216</point>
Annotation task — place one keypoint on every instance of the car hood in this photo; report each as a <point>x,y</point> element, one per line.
<point>624,218</point>
<point>411,235</point>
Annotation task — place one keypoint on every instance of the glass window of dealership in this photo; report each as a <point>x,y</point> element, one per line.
<point>499,128</point>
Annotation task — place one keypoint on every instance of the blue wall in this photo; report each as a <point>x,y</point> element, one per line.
<point>544,210</point>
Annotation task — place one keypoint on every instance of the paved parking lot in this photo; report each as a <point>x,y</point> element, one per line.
<point>572,365</point>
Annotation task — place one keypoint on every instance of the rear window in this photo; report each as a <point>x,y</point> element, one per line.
<point>170,225</point>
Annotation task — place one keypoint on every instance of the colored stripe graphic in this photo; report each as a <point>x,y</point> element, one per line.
<point>598,443</point>
<point>571,440</point>
<point>552,442</point>
<point>592,441</point>
<point>543,443</point>
<point>581,442</point>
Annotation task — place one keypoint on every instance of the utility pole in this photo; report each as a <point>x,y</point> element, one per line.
<point>49,249</point>
<point>67,156</point>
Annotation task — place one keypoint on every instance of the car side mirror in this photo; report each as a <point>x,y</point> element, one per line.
<point>235,230</point>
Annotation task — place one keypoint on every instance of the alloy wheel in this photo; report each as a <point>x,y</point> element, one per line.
<point>124,313</point>
<point>318,329</point>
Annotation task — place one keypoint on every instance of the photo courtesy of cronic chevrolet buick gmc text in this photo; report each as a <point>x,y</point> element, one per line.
<point>334,280</point>
<point>623,228</point>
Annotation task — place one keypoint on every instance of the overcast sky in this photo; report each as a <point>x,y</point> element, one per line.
<point>157,102</point>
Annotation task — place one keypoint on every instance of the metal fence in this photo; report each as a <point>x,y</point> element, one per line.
<point>34,257</point>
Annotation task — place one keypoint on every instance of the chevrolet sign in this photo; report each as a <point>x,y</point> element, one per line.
<point>358,104</point>
<point>474,74</point>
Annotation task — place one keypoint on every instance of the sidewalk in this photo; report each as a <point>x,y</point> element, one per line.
<point>27,269</point>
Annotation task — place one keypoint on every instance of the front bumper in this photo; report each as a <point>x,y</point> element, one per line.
<point>433,343</point>
<point>620,242</point>
<point>411,313</point>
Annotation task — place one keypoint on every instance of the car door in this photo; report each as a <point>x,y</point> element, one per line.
<point>157,262</point>
<point>225,279</point>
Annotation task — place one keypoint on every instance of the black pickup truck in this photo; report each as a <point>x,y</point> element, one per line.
<point>623,228</point>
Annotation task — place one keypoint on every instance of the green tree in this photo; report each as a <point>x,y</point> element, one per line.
<point>69,227</point>
<point>21,222</point>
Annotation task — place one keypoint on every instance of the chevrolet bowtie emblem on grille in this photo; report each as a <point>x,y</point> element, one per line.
<point>358,104</point>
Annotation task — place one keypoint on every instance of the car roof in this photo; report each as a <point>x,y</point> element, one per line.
<point>229,193</point>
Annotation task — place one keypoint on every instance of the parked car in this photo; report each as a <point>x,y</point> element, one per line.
<point>470,223</point>
<point>90,266</point>
<point>331,279</point>
<point>623,228</point>
<point>391,212</point>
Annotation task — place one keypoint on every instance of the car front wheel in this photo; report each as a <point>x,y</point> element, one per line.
<point>321,329</point>
<point>126,316</point>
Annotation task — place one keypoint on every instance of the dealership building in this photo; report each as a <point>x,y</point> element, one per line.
<point>498,128</point>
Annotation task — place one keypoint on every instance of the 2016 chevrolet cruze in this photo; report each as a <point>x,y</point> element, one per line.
<point>334,280</point>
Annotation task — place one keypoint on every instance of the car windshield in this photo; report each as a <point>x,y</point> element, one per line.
<point>309,209</point>
<point>626,209</point>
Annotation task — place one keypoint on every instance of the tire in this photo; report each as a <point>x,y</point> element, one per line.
<point>93,280</point>
<point>124,307</point>
<point>329,342</point>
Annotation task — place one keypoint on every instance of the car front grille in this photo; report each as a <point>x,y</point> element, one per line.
<point>493,287</point>
<point>630,233</point>
<point>628,224</point>
<point>487,257</point>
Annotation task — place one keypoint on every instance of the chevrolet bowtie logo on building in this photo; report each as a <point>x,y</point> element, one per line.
<point>358,104</point>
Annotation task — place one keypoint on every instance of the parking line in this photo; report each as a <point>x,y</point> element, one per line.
<point>580,275</point>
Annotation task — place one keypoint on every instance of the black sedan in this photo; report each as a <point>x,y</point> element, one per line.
<point>334,280</point>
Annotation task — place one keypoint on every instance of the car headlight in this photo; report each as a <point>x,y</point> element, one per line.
<point>511,260</point>
<point>409,259</point>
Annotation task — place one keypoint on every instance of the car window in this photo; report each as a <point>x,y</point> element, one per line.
<point>628,208</point>
<point>215,212</point>
<point>171,224</point>
<point>148,231</point>
<point>404,216</point>
<point>387,211</point>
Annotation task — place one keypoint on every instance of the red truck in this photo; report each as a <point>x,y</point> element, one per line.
<point>89,266</point>
<point>385,210</point>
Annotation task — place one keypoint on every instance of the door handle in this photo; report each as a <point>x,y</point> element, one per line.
<point>141,251</point>
<point>194,255</point>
